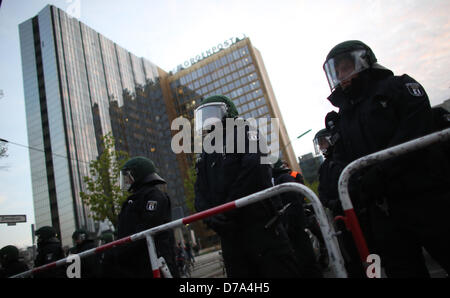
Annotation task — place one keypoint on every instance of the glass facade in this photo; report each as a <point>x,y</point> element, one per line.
<point>142,128</point>
<point>60,168</point>
<point>79,86</point>
<point>231,72</point>
<point>34,125</point>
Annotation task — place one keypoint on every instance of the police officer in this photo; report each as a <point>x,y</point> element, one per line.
<point>146,207</point>
<point>107,258</point>
<point>329,172</point>
<point>326,142</point>
<point>295,222</point>
<point>249,248</point>
<point>11,265</point>
<point>378,110</point>
<point>90,266</point>
<point>49,250</point>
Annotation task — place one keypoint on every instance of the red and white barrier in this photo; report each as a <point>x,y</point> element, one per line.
<point>335,256</point>
<point>350,219</point>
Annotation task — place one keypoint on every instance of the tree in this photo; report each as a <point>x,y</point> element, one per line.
<point>314,186</point>
<point>104,196</point>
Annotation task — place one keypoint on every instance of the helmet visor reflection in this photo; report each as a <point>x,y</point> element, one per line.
<point>344,66</point>
<point>322,144</point>
<point>125,180</point>
<point>208,115</point>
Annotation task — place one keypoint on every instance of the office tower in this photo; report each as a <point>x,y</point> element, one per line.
<point>233,68</point>
<point>78,86</point>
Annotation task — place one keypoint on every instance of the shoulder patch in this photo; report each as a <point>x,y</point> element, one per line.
<point>151,205</point>
<point>252,135</point>
<point>415,89</point>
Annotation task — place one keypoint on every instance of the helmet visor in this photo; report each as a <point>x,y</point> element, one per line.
<point>208,115</point>
<point>125,180</point>
<point>322,144</point>
<point>344,67</point>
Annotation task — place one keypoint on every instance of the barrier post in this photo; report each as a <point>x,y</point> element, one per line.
<point>152,255</point>
<point>350,218</point>
<point>335,256</point>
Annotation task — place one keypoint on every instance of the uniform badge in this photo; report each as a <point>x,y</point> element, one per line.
<point>415,89</point>
<point>151,205</point>
<point>252,135</point>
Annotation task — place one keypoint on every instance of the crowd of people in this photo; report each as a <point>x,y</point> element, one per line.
<point>401,203</point>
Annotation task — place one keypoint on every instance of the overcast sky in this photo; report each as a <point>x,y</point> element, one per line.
<point>294,37</point>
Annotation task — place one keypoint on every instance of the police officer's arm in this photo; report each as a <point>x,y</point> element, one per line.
<point>413,110</point>
<point>329,173</point>
<point>154,210</point>
<point>200,202</point>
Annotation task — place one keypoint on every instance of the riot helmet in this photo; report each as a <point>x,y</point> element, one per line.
<point>346,60</point>
<point>79,236</point>
<point>8,254</point>
<point>138,170</point>
<point>106,237</point>
<point>45,233</point>
<point>322,142</point>
<point>213,110</point>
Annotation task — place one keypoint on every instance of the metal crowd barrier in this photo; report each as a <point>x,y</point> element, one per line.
<point>334,253</point>
<point>350,218</point>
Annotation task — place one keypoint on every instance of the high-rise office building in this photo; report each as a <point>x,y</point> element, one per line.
<point>234,68</point>
<point>79,86</point>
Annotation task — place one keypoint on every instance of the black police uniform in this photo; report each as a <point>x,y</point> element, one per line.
<point>48,251</point>
<point>249,249</point>
<point>146,208</point>
<point>295,223</point>
<point>409,196</point>
<point>10,263</point>
<point>13,268</point>
<point>329,173</point>
<point>90,266</point>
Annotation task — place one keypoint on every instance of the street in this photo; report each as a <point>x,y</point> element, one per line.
<point>210,265</point>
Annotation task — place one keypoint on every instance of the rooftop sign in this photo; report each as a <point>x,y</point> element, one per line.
<point>227,43</point>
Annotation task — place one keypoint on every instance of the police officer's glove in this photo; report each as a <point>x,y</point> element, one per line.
<point>373,184</point>
<point>221,224</point>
